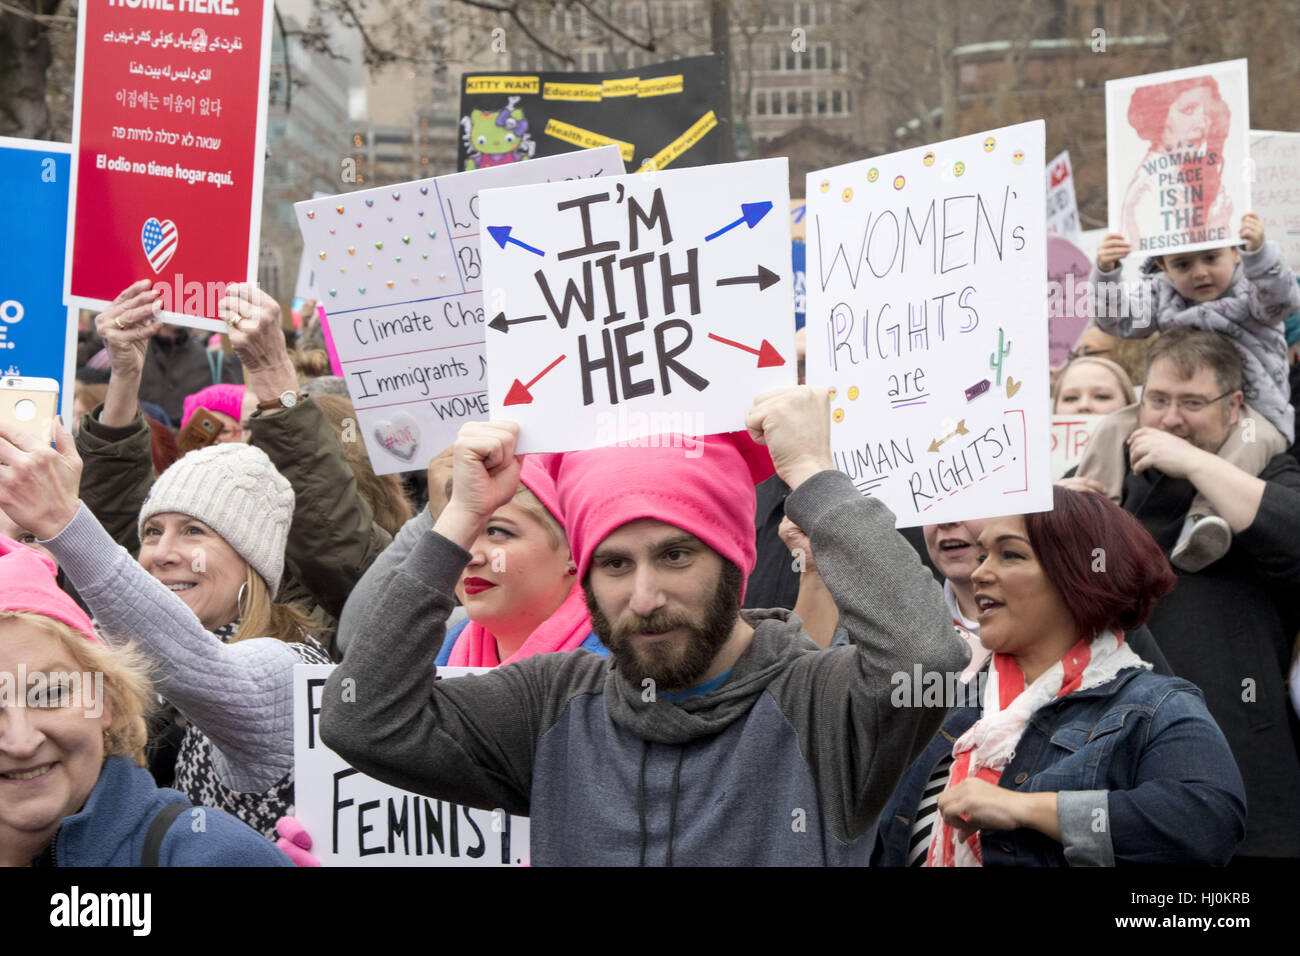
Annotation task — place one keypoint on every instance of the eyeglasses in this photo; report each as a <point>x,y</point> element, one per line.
<point>1085,352</point>
<point>1190,406</point>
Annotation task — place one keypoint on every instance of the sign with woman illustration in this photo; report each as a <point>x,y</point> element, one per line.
<point>1177,154</point>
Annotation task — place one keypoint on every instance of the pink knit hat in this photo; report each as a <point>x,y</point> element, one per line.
<point>227,399</point>
<point>29,585</point>
<point>534,475</point>
<point>701,485</point>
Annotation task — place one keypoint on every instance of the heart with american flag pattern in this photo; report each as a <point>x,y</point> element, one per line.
<point>159,240</point>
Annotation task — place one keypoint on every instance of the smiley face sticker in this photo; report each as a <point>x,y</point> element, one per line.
<point>847,194</point>
<point>1018,157</point>
<point>958,168</point>
<point>928,159</point>
<point>839,415</point>
<point>826,184</point>
<point>873,174</point>
<point>989,143</point>
<point>898,182</point>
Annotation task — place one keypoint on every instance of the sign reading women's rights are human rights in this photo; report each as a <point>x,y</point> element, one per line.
<point>927,319</point>
<point>635,307</point>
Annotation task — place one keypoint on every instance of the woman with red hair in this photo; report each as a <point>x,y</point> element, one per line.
<point>1075,753</point>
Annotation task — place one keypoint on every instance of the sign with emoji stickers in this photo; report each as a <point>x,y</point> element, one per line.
<point>927,321</point>
<point>168,146</point>
<point>1177,158</point>
<point>399,273</point>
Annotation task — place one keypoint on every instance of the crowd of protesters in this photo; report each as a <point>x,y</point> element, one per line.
<point>696,658</point>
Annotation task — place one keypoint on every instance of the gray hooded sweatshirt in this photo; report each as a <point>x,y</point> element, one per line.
<point>788,762</point>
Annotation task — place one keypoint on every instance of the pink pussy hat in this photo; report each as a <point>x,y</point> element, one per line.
<point>702,485</point>
<point>30,585</point>
<point>227,399</point>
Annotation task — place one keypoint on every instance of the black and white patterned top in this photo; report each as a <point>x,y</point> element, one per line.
<point>196,774</point>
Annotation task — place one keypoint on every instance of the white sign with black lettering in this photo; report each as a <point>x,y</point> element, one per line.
<point>399,274</point>
<point>355,820</point>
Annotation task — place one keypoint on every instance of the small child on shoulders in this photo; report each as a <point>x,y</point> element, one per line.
<point>1245,297</point>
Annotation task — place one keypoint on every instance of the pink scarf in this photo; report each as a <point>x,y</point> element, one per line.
<point>564,630</point>
<point>985,750</point>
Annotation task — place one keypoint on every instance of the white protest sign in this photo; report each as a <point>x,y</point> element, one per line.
<point>355,820</point>
<point>927,316</point>
<point>305,287</point>
<point>638,305</point>
<point>399,274</point>
<point>1070,434</point>
<point>1177,157</point>
<point>1276,189</point>
<point>1062,206</point>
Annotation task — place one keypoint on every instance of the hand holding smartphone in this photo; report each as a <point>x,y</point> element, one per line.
<point>29,405</point>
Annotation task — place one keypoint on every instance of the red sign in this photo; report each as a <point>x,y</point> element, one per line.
<point>169,136</point>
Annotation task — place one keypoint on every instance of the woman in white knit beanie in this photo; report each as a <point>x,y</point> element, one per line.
<point>200,602</point>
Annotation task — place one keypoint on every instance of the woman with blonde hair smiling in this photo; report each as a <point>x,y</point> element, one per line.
<point>72,788</point>
<point>201,603</point>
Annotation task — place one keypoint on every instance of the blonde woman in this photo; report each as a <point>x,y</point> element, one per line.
<point>201,603</point>
<point>73,791</point>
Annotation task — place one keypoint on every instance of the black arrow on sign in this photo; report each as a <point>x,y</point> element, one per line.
<point>502,324</point>
<point>764,278</point>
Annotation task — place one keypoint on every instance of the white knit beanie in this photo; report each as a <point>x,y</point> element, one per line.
<point>235,490</point>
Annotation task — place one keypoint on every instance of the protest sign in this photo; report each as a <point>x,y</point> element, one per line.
<point>305,286</point>
<point>799,259</point>
<point>401,280</point>
<point>1068,299</point>
<point>169,140</point>
<point>1070,436</point>
<point>639,305</point>
<point>38,333</point>
<point>1062,206</point>
<point>1276,189</point>
<point>927,319</point>
<point>355,820</point>
<point>1177,151</point>
<point>665,114</point>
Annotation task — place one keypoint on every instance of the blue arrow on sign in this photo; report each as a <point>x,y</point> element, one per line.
<point>502,235</point>
<point>750,214</point>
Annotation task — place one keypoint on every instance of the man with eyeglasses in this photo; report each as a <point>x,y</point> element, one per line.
<point>1228,628</point>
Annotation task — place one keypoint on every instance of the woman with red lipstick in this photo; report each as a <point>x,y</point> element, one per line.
<point>1073,752</point>
<point>520,589</point>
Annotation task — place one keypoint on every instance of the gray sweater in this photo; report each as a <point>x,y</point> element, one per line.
<point>788,762</point>
<point>239,695</point>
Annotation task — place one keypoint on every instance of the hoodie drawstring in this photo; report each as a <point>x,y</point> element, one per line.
<point>672,806</point>
<point>640,797</point>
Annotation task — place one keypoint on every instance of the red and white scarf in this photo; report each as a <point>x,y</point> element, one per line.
<point>985,750</point>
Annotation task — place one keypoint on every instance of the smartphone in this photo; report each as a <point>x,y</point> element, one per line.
<point>200,431</point>
<point>30,404</point>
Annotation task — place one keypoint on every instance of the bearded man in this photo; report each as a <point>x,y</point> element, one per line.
<point>710,736</point>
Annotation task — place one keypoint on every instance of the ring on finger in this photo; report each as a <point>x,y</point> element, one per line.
<point>118,320</point>
<point>234,321</point>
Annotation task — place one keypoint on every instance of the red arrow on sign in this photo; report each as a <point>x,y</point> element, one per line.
<point>768,356</point>
<point>519,394</point>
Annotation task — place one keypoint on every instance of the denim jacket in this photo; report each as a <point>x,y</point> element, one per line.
<point>1143,775</point>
